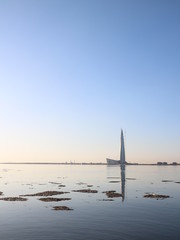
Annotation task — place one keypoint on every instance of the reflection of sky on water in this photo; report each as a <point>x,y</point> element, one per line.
<point>127,216</point>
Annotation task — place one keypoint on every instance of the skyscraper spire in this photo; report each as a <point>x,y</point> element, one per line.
<point>122,159</point>
<point>122,151</point>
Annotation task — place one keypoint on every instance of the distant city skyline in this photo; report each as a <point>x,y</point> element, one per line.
<point>74,72</point>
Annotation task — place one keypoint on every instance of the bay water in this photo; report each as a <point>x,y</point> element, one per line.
<point>93,216</point>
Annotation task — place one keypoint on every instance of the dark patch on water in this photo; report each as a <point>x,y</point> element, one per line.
<point>85,191</point>
<point>156,196</point>
<point>13,199</point>
<point>62,208</point>
<point>51,199</point>
<point>112,194</point>
<point>114,181</point>
<point>46,193</point>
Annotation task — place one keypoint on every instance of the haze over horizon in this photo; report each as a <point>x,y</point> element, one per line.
<point>73,73</point>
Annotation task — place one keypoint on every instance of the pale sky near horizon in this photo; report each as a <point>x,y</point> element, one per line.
<point>74,72</point>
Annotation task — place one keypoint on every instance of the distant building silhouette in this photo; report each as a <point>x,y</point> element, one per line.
<point>122,154</point>
<point>162,163</point>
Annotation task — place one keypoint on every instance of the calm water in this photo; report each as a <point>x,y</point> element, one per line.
<point>133,217</point>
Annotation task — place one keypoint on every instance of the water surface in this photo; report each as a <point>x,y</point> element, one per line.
<point>127,217</point>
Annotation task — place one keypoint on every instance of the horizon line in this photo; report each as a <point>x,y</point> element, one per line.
<point>89,163</point>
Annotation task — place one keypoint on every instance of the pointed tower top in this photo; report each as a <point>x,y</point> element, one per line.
<point>122,134</point>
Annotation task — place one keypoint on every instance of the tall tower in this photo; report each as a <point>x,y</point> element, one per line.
<point>122,153</point>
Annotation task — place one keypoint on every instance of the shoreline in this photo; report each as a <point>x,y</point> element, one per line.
<point>99,164</point>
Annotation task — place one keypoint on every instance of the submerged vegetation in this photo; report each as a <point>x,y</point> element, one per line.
<point>13,199</point>
<point>62,208</point>
<point>50,199</point>
<point>156,196</point>
<point>86,191</point>
<point>112,194</point>
<point>46,193</point>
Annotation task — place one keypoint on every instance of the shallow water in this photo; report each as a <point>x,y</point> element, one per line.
<point>128,217</point>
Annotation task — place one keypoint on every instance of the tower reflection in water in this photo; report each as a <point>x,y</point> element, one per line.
<point>118,172</point>
<point>123,179</point>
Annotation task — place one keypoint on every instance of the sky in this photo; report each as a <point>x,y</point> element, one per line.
<point>74,72</point>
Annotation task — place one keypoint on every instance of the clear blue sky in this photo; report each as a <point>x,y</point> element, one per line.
<point>74,72</point>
